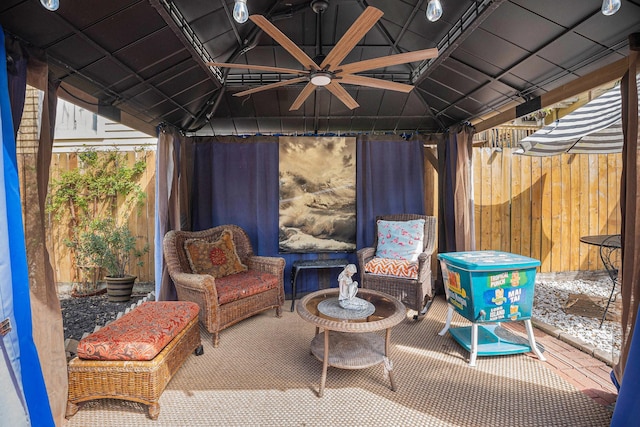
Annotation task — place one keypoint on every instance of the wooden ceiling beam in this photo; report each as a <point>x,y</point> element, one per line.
<point>604,75</point>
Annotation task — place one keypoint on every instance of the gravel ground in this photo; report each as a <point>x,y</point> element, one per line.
<point>548,307</point>
<point>81,315</point>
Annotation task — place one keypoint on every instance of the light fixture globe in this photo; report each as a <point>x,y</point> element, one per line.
<point>50,4</point>
<point>240,11</point>
<point>434,10</point>
<point>609,7</point>
<point>321,78</point>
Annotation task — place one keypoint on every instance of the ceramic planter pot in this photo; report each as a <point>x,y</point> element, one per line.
<point>119,288</point>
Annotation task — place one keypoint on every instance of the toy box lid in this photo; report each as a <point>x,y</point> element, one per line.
<point>488,260</point>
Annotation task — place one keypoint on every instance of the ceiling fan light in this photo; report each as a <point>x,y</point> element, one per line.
<point>54,4</point>
<point>609,7</point>
<point>320,79</point>
<point>434,10</point>
<point>240,11</point>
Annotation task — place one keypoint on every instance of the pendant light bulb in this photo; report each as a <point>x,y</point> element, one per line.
<point>54,4</point>
<point>609,7</point>
<point>240,11</point>
<point>434,10</point>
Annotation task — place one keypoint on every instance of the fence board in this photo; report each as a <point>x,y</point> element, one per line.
<point>593,208</point>
<point>517,220</point>
<point>585,249</point>
<point>496,199</point>
<point>564,261</point>
<point>525,202</point>
<point>536,208</point>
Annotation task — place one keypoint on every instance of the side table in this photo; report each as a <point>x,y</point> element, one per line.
<point>349,342</point>
<point>312,264</point>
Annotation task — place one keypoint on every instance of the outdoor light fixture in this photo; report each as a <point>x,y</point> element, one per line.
<point>54,4</point>
<point>434,10</point>
<point>321,78</point>
<point>609,7</point>
<point>240,11</point>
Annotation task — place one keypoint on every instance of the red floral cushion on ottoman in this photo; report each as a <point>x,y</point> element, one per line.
<point>140,334</point>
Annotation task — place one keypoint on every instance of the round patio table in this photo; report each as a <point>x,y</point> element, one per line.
<point>347,342</point>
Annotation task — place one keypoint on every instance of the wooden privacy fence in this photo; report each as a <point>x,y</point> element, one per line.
<point>141,223</point>
<point>540,207</point>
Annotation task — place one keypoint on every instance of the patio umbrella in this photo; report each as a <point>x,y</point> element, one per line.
<point>594,128</point>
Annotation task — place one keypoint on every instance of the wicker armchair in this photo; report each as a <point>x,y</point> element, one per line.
<point>205,290</point>
<point>417,293</point>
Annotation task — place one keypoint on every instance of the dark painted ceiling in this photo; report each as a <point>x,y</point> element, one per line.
<point>143,61</point>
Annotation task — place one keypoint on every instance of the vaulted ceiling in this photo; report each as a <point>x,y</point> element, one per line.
<point>143,62</point>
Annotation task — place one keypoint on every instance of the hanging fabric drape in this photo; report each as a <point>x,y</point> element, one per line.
<point>237,183</point>
<point>627,371</point>
<point>48,331</point>
<point>456,230</point>
<point>390,180</point>
<point>18,346</point>
<point>174,157</point>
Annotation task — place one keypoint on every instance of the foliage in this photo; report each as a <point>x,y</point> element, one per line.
<point>88,198</point>
<point>105,245</point>
<point>93,188</point>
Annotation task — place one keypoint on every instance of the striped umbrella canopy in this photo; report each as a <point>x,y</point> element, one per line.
<point>594,128</point>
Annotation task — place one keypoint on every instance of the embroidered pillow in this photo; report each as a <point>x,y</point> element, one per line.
<point>392,267</point>
<point>400,239</point>
<point>218,258</point>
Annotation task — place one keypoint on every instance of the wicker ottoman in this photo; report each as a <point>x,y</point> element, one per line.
<point>136,380</point>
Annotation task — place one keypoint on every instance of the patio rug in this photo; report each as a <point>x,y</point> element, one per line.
<point>263,374</point>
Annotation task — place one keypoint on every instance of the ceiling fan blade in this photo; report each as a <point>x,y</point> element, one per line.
<point>386,61</point>
<point>304,94</point>
<point>258,67</point>
<point>271,86</point>
<point>342,94</point>
<point>284,41</point>
<point>350,39</point>
<point>377,83</point>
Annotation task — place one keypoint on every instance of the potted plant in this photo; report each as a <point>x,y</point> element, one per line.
<point>115,249</point>
<point>104,185</point>
<point>88,251</point>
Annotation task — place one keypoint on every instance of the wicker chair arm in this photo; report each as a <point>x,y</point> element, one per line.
<point>424,267</point>
<point>273,265</point>
<point>365,254</point>
<point>196,283</point>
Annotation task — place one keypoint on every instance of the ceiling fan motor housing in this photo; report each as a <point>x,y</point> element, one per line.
<point>319,6</point>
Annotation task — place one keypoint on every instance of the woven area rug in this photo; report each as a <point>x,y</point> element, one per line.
<point>263,374</point>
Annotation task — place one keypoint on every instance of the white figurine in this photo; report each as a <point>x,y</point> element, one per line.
<point>349,289</point>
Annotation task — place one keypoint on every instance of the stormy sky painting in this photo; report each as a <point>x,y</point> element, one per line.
<point>317,194</point>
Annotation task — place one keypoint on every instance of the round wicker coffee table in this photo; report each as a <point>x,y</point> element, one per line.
<point>352,343</point>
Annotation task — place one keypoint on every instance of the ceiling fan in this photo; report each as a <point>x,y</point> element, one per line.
<point>330,72</point>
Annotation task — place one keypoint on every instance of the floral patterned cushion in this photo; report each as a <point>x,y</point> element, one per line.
<point>218,258</point>
<point>400,239</point>
<point>237,286</point>
<point>392,267</point>
<point>140,334</point>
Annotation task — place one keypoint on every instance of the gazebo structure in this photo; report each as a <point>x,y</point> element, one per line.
<point>190,72</point>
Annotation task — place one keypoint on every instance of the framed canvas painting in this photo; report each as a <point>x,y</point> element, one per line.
<point>317,194</point>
